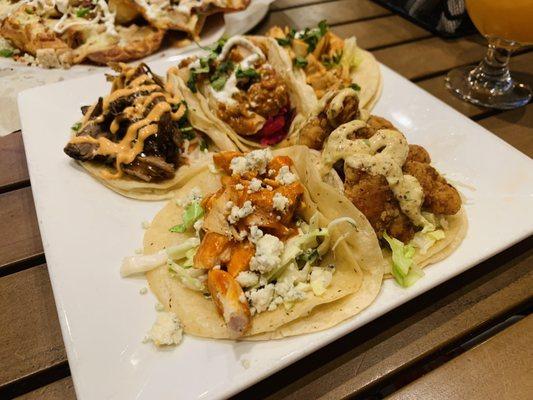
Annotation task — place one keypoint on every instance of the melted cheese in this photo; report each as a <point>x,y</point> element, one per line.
<point>382,154</point>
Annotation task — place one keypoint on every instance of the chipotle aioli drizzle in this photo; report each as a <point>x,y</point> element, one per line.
<point>132,144</point>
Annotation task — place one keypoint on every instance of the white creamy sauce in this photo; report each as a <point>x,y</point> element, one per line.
<point>103,14</point>
<point>363,154</point>
<point>152,8</point>
<point>230,88</point>
<point>337,102</point>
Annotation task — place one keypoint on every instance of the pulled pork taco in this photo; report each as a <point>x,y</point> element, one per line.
<point>327,62</point>
<point>140,140</point>
<point>416,214</point>
<point>258,247</point>
<point>245,85</point>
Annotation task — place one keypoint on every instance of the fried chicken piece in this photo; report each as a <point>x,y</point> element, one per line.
<point>372,195</point>
<point>440,196</point>
<point>374,124</point>
<point>418,153</point>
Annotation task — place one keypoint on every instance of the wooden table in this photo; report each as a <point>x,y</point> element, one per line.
<point>371,362</point>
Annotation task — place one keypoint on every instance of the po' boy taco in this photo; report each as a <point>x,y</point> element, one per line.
<point>246,86</point>
<point>258,246</point>
<point>327,62</point>
<point>140,140</point>
<point>414,211</point>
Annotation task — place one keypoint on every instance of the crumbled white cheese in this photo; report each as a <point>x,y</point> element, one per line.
<point>320,279</point>
<point>194,195</point>
<point>216,267</point>
<point>255,185</point>
<point>255,234</point>
<point>239,213</point>
<point>159,307</point>
<point>143,290</point>
<point>245,363</point>
<point>239,186</point>
<point>285,176</point>
<point>247,279</point>
<point>145,224</point>
<point>267,256</point>
<point>261,298</point>
<point>290,293</point>
<point>256,160</point>
<point>166,330</point>
<point>276,301</point>
<point>280,202</point>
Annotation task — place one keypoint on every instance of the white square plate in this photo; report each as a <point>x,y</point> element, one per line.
<point>87,229</point>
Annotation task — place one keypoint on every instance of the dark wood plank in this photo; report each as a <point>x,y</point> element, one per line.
<point>515,127</point>
<point>19,232</point>
<point>283,4</point>
<point>58,390</point>
<point>336,12</point>
<point>13,169</point>
<point>430,56</point>
<point>499,368</point>
<point>380,32</point>
<point>520,63</point>
<point>414,332</point>
<point>31,338</point>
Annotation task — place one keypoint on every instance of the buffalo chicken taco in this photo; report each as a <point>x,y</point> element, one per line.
<point>246,87</point>
<point>140,140</point>
<point>414,211</point>
<point>327,62</point>
<point>260,249</point>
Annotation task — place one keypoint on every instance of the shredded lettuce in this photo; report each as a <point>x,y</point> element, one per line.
<point>423,241</point>
<point>351,57</point>
<point>185,277</point>
<point>182,250</point>
<point>404,271</point>
<point>142,263</point>
<point>193,212</point>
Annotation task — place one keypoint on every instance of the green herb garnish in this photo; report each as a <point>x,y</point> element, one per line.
<point>82,12</point>
<point>286,41</point>
<point>300,62</point>
<point>249,73</point>
<point>333,61</point>
<point>355,87</point>
<point>203,145</point>
<point>76,127</point>
<point>193,212</point>
<point>6,53</point>
<point>219,78</point>
<point>312,36</point>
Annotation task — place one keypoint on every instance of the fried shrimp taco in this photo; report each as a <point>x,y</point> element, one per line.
<point>245,85</point>
<point>140,140</point>
<point>326,62</point>
<point>415,212</point>
<point>257,246</point>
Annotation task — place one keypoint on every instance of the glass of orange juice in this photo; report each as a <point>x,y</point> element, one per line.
<point>507,24</point>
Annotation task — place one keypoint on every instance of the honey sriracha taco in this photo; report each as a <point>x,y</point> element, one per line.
<point>246,86</point>
<point>140,140</point>
<point>260,250</point>
<point>327,62</point>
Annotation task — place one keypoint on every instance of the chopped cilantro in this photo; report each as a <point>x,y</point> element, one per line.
<point>6,53</point>
<point>76,127</point>
<point>330,62</point>
<point>312,36</point>
<point>355,87</point>
<point>82,12</point>
<point>286,41</point>
<point>323,27</point>
<point>249,73</point>
<point>219,83</point>
<point>219,78</point>
<point>188,133</point>
<point>300,62</point>
<point>191,82</point>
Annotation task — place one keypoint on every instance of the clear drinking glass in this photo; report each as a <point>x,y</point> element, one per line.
<point>507,24</point>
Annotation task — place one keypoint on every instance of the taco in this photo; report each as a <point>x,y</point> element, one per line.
<point>246,87</point>
<point>140,140</point>
<point>327,62</point>
<point>416,214</point>
<point>258,246</point>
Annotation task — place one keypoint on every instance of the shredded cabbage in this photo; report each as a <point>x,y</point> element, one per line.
<point>193,212</point>
<point>424,241</point>
<point>351,57</point>
<point>142,263</point>
<point>180,251</point>
<point>404,271</point>
<point>185,277</point>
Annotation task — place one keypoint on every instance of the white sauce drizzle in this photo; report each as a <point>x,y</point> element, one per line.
<point>363,154</point>
<point>103,14</point>
<point>230,87</point>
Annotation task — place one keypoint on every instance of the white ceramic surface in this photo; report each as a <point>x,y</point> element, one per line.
<point>87,229</point>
